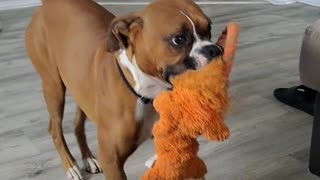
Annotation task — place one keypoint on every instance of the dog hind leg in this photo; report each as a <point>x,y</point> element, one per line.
<point>89,160</point>
<point>54,93</point>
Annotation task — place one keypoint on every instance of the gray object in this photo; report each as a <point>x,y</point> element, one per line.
<point>310,57</point>
<point>1,26</point>
<point>314,160</point>
<point>310,77</point>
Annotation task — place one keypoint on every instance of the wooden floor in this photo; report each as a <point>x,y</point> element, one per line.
<point>268,140</point>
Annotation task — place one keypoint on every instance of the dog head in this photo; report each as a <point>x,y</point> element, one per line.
<point>165,39</point>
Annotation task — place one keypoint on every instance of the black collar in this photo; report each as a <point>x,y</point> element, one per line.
<point>142,99</point>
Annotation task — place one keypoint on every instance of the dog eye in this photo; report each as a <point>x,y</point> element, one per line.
<point>179,40</point>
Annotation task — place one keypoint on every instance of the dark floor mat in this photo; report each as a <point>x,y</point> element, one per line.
<point>299,97</point>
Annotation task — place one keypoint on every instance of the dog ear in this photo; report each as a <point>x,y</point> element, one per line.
<point>122,30</point>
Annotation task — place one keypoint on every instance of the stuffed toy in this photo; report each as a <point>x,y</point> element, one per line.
<point>194,107</point>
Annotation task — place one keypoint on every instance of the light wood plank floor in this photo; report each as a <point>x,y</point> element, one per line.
<point>268,140</point>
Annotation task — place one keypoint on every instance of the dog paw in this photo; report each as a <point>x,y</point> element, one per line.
<point>92,165</point>
<point>74,173</point>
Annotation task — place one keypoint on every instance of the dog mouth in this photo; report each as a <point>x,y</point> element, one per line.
<point>190,63</point>
<point>174,70</point>
<point>197,60</point>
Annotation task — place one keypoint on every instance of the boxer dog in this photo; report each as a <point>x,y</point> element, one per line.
<point>113,67</point>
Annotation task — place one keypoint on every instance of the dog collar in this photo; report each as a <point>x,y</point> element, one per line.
<point>144,100</point>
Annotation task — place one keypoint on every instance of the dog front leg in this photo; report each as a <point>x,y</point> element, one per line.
<point>109,160</point>
<point>115,146</point>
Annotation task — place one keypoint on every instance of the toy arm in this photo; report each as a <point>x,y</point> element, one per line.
<point>228,40</point>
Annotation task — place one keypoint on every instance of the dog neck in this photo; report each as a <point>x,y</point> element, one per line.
<point>143,84</point>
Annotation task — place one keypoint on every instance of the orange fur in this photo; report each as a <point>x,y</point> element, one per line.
<point>194,107</point>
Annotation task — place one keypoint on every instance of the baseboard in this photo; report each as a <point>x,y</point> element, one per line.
<point>17,4</point>
<point>283,2</point>
<point>311,2</point>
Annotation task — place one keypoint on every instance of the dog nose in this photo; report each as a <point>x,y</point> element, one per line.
<point>211,51</point>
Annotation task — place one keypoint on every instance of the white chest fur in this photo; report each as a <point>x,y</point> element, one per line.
<point>145,85</point>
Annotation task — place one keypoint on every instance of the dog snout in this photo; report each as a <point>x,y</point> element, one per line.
<point>211,51</point>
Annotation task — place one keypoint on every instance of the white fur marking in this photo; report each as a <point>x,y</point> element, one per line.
<point>197,45</point>
<point>74,173</point>
<point>193,26</point>
<point>149,86</point>
<point>92,165</point>
<point>145,85</point>
<point>124,60</point>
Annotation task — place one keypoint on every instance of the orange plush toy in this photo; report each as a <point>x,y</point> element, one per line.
<point>194,107</point>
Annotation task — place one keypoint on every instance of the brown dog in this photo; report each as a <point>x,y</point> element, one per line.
<point>113,68</point>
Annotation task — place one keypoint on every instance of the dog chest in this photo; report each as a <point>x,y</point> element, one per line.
<point>145,116</point>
